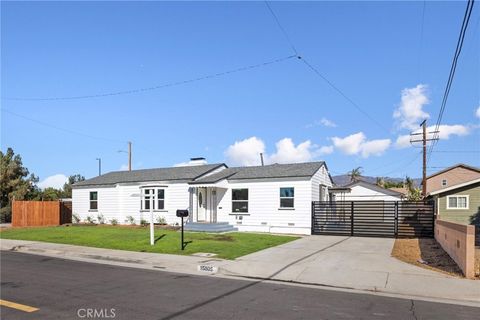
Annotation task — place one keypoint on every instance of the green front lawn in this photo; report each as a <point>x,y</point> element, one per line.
<point>227,246</point>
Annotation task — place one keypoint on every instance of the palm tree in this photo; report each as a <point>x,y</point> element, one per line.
<point>413,192</point>
<point>408,183</point>
<point>381,182</point>
<point>355,174</point>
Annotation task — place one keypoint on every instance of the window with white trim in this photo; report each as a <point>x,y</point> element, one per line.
<point>287,197</point>
<point>154,197</point>
<point>444,182</point>
<point>458,202</point>
<point>93,200</point>
<point>240,200</point>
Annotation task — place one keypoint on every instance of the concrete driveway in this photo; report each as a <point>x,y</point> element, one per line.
<point>350,262</point>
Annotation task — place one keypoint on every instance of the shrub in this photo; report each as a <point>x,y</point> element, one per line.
<point>161,220</point>
<point>101,218</point>
<point>6,214</point>
<point>75,218</point>
<point>130,220</point>
<point>143,222</point>
<point>89,219</point>
<point>114,222</point>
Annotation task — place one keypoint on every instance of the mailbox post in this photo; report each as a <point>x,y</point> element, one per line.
<point>182,214</point>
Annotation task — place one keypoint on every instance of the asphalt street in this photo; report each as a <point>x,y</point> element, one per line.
<point>63,289</point>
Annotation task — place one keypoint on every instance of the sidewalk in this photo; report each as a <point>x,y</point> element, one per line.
<point>337,262</point>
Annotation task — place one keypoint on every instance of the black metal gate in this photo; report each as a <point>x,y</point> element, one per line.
<point>373,218</point>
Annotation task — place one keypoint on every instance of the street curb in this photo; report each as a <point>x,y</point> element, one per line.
<point>222,273</point>
<point>468,303</point>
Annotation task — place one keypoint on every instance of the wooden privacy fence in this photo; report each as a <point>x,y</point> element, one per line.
<point>373,218</point>
<point>41,213</point>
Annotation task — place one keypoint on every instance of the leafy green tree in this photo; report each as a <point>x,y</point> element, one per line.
<point>49,194</point>
<point>355,174</point>
<point>16,182</point>
<point>67,187</point>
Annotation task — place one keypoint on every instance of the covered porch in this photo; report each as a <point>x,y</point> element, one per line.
<point>205,200</point>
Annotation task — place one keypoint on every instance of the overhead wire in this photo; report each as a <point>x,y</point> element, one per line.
<point>157,87</point>
<point>317,72</point>
<point>61,128</point>
<point>453,67</point>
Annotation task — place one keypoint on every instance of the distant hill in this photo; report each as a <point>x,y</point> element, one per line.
<point>344,179</point>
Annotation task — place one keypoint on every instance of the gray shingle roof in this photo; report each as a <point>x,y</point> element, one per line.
<point>306,169</point>
<point>187,173</point>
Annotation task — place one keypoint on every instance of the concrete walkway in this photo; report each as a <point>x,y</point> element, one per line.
<point>340,262</point>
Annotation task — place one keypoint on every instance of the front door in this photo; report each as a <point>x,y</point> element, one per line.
<point>202,205</point>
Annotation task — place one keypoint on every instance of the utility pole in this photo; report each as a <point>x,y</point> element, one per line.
<point>129,152</point>
<point>424,148</point>
<point>99,166</point>
<point>129,156</point>
<point>261,158</point>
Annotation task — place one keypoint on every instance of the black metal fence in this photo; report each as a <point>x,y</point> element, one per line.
<point>373,218</point>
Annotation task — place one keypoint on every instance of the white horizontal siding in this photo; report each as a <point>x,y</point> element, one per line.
<point>264,211</point>
<point>321,177</point>
<point>108,204</point>
<point>359,193</point>
<point>124,200</point>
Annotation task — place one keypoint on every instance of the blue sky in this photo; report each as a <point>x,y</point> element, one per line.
<point>374,52</point>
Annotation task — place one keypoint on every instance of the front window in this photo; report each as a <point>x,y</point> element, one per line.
<point>444,182</point>
<point>154,197</point>
<point>287,196</point>
<point>160,199</point>
<point>93,200</point>
<point>457,202</point>
<point>240,200</point>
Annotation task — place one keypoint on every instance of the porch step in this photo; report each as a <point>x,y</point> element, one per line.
<point>210,227</point>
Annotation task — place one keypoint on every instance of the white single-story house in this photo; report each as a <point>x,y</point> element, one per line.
<point>273,198</point>
<point>364,191</point>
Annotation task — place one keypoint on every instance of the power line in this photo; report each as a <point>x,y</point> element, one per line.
<point>162,86</point>
<point>458,50</point>
<point>285,34</point>
<point>317,72</point>
<point>353,103</point>
<point>60,128</point>
<point>404,166</point>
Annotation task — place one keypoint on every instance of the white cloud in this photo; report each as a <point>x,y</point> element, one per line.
<point>445,132</point>
<point>245,152</point>
<point>351,144</point>
<point>124,167</point>
<point>477,113</point>
<point>375,147</point>
<point>56,181</point>
<point>325,150</point>
<point>287,152</point>
<point>328,123</point>
<point>403,141</point>
<point>357,143</point>
<point>322,122</point>
<point>410,111</point>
